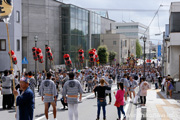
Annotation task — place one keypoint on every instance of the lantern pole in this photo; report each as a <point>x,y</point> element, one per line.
<point>11,60</point>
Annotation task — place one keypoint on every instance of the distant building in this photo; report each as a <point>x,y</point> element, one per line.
<point>120,44</point>
<point>133,30</point>
<point>15,33</point>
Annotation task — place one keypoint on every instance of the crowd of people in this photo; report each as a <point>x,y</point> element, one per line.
<point>72,84</point>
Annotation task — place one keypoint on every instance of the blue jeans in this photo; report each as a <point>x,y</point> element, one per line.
<point>101,103</point>
<point>119,110</point>
<point>156,85</point>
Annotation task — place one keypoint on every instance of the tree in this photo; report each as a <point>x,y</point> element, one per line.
<point>112,56</point>
<point>103,54</point>
<point>138,49</point>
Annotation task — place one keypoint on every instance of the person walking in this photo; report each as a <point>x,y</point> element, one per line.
<point>126,86</point>
<point>48,93</point>
<point>25,101</point>
<point>101,98</point>
<point>144,86</point>
<point>71,90</point>
<point>108,92</point>
<point>133,84</point>
<point>120,101</point>
<point>6,91</point>
<point>170,87</point>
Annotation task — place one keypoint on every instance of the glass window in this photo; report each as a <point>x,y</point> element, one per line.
<point>73,24</point>
<point>73,12</point>
<point>2,45</point>
<point>17,16</point>
<point>87,16</point>
<point>66,28</point>
<point>175,22</point>
<point>84,15</point>
<point>114,42</point>
<point>79,13</point>
<point>80,25</point>
<point>65,11</point>
<point>18,45</point>
<point>125,43</point>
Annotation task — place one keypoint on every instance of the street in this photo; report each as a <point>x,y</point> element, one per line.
<point>87,109</point>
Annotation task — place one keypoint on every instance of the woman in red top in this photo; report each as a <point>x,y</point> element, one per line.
<point>120,101</point>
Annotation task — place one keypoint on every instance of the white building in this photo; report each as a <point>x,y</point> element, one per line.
<point>133,30</point>
<point>173,46</point>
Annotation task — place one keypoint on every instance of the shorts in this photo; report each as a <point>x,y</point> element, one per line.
<point>48,99</point>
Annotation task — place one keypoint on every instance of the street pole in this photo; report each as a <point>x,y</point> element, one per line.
<point>36,38</point>
<point>162,66</point>
<point>144,39</point>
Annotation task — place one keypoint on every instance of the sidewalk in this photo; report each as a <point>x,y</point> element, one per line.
<point>158,107</point>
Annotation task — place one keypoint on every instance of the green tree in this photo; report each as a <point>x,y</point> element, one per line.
<point>112,56</point>
<point>138,49</point>
<point>103,54</point>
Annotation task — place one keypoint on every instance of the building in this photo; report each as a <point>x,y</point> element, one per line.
<point>173,45</point>
<point>81,29</point>
<point>43,19</point>
<point>63,27</point>
<point>15,33</point>
<point>120,44</point>
<point>133,30</point>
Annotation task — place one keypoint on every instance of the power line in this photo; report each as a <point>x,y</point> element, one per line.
<point>127,10</point>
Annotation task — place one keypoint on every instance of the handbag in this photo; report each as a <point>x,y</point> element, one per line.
<point>117,104</point>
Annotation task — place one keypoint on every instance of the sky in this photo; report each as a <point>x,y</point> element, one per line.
<point>144,16</point>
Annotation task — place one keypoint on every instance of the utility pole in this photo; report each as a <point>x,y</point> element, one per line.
<point>36,38</point>
<point>162,66</point>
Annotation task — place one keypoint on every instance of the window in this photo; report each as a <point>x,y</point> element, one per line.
<point>114,42</point>
<point>125,42</point>
<point>102,40</point>
<point>2,45</point>
<point>175,22</point>
<point>168,54</point>
<point>18,45</point>
<point>17,16</point>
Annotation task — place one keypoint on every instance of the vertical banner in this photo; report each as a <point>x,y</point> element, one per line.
<point>159,50</point>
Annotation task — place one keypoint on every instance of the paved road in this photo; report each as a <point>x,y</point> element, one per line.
<point>87,109</point>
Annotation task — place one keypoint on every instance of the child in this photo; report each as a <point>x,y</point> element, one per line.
<point>120,101</point>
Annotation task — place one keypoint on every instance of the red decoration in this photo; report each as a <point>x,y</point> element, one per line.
<point>12,52</point>
<point>81,55</point>
<point>67,60</point>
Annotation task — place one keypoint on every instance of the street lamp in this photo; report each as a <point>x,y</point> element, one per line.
<point>144,40</point>
<point>36,38</point>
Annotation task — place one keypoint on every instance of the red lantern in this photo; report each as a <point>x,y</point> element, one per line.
<point>34,49</point>
<point>12,52</point>
<point>48,49</point>
<point>14,59</point>
<point>66,57</point>
<point>38,50</point>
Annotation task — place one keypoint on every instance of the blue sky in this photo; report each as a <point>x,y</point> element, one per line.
<point>145,16</point>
